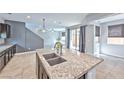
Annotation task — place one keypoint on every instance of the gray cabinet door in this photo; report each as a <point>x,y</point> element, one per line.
<point>1,62</point>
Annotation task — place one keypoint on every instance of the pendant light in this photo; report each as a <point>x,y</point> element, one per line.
<point>44,29</point>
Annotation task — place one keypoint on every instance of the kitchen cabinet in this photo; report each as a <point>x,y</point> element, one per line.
<point>5,30</point>
<point>41,72</point>
<point>1,61</point>
<point>0,28</point>
<point>6,55</point>
<point>8,31</point>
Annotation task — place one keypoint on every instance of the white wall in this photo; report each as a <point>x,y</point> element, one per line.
<point>114,50</point>
<point>1,20</point>
<point>90,33</point>
<point>48,36</point>
<point>90,30</point>
<point>25,39</point>
<point>89,39</point>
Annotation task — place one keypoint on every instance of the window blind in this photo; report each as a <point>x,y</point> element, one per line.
<point>97,31</point>
<point>116,30</point>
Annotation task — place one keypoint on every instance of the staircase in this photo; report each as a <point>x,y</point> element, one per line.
<point>24,38</point>
<point>48,37</point>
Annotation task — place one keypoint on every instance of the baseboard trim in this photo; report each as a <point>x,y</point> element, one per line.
<point>112,55</point>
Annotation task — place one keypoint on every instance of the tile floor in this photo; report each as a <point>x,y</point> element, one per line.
<point>110,68</point>
<point>21,66</point>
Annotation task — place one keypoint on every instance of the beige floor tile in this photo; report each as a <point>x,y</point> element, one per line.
<point>110,68</point>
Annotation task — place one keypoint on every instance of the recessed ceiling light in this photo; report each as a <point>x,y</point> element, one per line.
<point>28,17</point>
<point>9,13</point>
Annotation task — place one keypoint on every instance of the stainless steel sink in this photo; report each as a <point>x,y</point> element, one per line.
<point>49,56</point>
<point>54,61</point>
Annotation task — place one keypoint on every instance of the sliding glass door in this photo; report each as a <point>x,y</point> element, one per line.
<point>75,38</point>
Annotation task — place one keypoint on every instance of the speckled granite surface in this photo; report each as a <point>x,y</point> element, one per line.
<point>77,64</point>
<point>23,65</point>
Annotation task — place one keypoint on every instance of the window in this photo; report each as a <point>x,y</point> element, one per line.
<point>97,40</point>
<point>75,38</point>
<point>97,29</point>
<point>63,38</point>
<point>116,41</point>
<point>63,34</point>
<point>97,34</point>
<point>116,34</point>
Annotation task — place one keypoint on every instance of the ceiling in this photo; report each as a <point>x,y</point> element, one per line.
<point>55,20</point>
<point>114,17</point>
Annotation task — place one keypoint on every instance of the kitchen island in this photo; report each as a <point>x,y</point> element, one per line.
<point>75,65</point>
<point>47,64</point>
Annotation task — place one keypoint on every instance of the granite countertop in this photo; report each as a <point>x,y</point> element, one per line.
<point>77,64</point>
<point>21,66</point>
<point>5,46</point>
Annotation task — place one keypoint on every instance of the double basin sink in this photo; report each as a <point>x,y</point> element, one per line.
<point>53,59</point>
